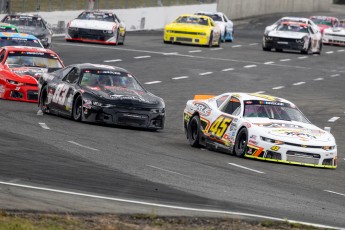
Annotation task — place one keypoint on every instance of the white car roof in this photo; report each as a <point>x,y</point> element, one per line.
<point>257,96</point>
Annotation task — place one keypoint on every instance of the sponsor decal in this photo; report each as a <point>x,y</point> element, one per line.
<point>253,137</point>
<point>275,148</point>
<point>253,142</point>
<point>202,108</point>
<point>304,135</point>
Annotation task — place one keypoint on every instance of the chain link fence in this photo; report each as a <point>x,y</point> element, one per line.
<point>19,6</point>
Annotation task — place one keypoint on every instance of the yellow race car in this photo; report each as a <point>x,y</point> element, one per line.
<point>193,29</point>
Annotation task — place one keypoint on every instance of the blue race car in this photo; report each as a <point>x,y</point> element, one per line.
<point>19,39</point>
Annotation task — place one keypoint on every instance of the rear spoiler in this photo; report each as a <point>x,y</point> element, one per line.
<point>203,96</point>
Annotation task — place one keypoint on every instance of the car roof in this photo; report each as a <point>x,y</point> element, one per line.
<point>210,13</point>
<point>294,23</point>
<point>258,96</point>
<point>24,15</point>
<point>195,15</point>
<point>327,18</point>
<point>99,66</point>
<point>28,49</point>
<point>17,35</point>
<point>98,11</point>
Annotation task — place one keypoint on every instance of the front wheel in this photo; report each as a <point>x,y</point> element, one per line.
<point>194,131</point>
<point>123,40</point>
<point>210,42</point>
<point>77,108</point>
<point>241,143</point>
<point>44,100</point>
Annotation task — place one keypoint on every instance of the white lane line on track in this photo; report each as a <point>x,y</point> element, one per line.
<point>249,66</point>
<point>84,146</point>
<point>285,60</point>
<point>141,57</point>
<point>260,92</point>
<point>160,205</point>
<point>115,60</point>
<point>236,46</point>
<point>329,52</point>
<point>341,194</point>
<point>165,170</point>
<point>333,119</point>
<point>219,48</point>
<point>299,83</point>
<point>44,125</point>
<point>178,78</point>
<point>173,53</point>
<point>278,87</point>
<point>179,55</point>
<point>206,73</point>
<point>240,166</point>
<point>303,57</point>
<point>39,112</point>
<point>318,79</point>
<point>152,82</point>
<point>269,62</point>
<point>229,69</point>
<point>341,50</point>
<point>194,51</point>
<point>254,44</point>
<point>335,75</point>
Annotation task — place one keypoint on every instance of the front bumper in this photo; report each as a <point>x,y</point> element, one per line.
<point>333,39</point>
<point>290,154</point>
<point>135,117</point>
<point>284,44</point>
<point>186,38</point>
<point>25,93</point>
<point>94,36</point>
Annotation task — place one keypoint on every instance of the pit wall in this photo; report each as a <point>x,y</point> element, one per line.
<point>239,9</point>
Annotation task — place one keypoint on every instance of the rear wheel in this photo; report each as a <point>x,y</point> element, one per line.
<point>279,50</point>
<point>194,131</point>
<point>266,49</point>
<point>77,108</point>
<point>241,143</point>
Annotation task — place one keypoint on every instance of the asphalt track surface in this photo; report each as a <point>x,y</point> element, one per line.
<point>87,168</point>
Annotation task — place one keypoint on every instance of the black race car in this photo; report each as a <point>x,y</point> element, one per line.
<point>32,24</point>
<point>100,93</point>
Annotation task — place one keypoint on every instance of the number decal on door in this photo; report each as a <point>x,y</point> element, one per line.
<point>220,126</point>
<point>60,94</point>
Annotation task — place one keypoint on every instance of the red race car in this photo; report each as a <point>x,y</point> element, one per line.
<point>20,68</point>
<point>324,22</point>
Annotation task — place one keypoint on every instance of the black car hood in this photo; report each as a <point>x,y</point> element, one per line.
<point>126,97</point>
<point>32,30</point>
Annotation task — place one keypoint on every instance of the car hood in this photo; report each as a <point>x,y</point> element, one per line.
<point>293,132</point>
<point>336,30</point>
<point>35,72</point>
<point>10,75</point>
<point>92,24</point>
<point>118,95</point>
<point>186,27</point>
<point>287,34</point>
<point>36,31</point>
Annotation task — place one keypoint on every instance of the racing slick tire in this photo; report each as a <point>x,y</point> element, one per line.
<point>117,37</point>
<point>194,132</point>
<point>240,147</point>
<point>210,42</point>
<point>123,40</point>
<point>279,50</point>
<point>320,49</point>
<point>43,100</point>
<point>224,37</point>
<point>266,49</point>
<point>77,108</point>
<point>219,42</point>
<point>308,51</point>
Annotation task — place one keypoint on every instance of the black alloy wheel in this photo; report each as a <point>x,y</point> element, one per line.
<point>240,148</point>
<point>194,131</point>
<point>44,100</point>
<point>77,108</point>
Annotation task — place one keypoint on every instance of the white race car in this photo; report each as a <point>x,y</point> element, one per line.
<point>98,27</point>
<point>336,35</point>
<point>293,36</point>
<point>225,24</point>
<point>291,19</point>
<point>258,126</point>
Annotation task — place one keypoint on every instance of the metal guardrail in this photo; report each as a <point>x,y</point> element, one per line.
<point>20,6</point>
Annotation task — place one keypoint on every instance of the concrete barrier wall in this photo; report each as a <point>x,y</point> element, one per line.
<point>238,9</point>
<point>148,18</point>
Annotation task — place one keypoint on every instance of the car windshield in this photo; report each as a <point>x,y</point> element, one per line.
<point>192,20</point>
<point>32,59</point>
<point>109,80</point>
<point>293,28</point>
<point>273,110</point>
<point>99,16</point>
<point>12,41</point>
<point>25,21</point>
<point>215,17</point>
<point>319,21</point>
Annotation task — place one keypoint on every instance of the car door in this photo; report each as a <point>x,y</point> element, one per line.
<point>220,126</point>
<point>65,89</point>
